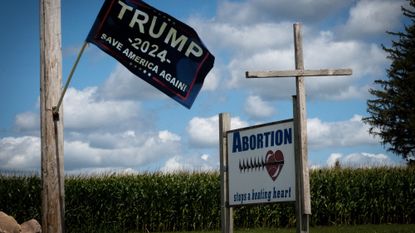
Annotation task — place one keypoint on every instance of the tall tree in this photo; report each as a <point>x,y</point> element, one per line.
<point>392,111</point>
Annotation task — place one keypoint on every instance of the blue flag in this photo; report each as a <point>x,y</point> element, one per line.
<point>153,45</point>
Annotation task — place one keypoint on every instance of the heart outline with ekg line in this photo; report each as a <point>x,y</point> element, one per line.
<point>274,161</point>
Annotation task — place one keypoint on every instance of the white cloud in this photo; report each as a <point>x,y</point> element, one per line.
<point>84,109</point>
<point>20,152</point>
<point>369,17</point>
<point>79,154</point>
<point>321,51</point>
<point>204,132</point>
<point>212,81</point>
<point>111,140</point>
<point>173,165</point>
<point>344,93</point>
<point>252,11</point>
<point>243,39</point>
<point>255,107</point>
<point>361,160</point>
<point>269,46</point>
<point>272,59</point>
<point>352,132</point>
<point>125,149</point>
<point>237,123</point>
<point>188,163</point>
<point>205,157</point>
<point>166,136</point>
<point>27,121</point>
<point>118,150</point>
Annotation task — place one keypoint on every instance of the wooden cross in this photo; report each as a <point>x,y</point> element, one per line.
<point>300,119</point>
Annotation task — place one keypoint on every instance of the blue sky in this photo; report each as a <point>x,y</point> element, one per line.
<point>114,120</point>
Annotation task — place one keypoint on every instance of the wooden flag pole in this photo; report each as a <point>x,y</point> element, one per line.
<point>52,175</point>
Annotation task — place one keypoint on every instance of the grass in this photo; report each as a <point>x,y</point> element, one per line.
<point>391,228</point>
<point>381,228</point>
<point>384,228</point>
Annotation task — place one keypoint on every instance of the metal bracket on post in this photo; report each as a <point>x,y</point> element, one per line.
<point>55,114</point>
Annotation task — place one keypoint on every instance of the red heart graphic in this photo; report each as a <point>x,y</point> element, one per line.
<point>274,163</point>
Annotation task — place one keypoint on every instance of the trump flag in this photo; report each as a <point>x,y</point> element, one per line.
<point>153,45</point>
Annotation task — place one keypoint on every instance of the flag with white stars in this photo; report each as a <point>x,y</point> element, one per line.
<point>153,45</point>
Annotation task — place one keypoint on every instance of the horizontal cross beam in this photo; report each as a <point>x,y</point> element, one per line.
<point>296,73</point>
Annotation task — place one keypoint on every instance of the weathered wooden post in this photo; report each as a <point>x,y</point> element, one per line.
<point>52,171</point>
<point>226,211</point>
<point>301,128</point>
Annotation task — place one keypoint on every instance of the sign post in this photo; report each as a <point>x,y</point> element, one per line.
<point>226,210</point>
<point>300,121</point>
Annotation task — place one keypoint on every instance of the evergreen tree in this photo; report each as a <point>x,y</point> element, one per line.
<point>392,111</point>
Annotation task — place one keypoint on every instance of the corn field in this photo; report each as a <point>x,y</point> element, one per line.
<point>191,201</point>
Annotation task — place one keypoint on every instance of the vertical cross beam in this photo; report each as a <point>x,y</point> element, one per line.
<point>301,121</point>
<point>303,201</point>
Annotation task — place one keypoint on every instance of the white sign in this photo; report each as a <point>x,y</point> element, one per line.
<point>261,164</point>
